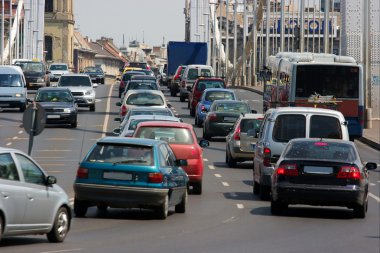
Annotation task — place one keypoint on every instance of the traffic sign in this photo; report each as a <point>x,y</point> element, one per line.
<point>37,124</point>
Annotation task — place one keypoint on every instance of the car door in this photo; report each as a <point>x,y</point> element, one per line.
<point>12,194</point>
<point>41,199</point>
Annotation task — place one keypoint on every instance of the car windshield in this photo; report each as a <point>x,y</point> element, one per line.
<point>58,67</point>
<point>202,85</point>
<point>122,154</point>
<point>172,135</point>
<point>10,80</point>
<point>75,81</point>
<point>93,70</point>
<point>144,99</point>
<point>54,96</point>
<point>219,95</point>
<point>320,150</point>
<point>31,66</point>
<point>232,107</point>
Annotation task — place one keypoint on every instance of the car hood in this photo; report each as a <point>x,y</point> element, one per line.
<point>78,88</point>
<point>59,72</point>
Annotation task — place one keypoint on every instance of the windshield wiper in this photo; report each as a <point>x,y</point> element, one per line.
<point>130,161</point>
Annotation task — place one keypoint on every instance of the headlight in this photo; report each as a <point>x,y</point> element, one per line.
<point>40,80</point>
<point>19,95</point>
<point>67,110</point>
<point>88,92</point>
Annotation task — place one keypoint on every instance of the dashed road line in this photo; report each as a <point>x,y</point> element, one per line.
<point>20,132</point>
<point>225,184</point>
<point>8,144</point>
<point>240,206</point>
<point>211,167</point>
<point>217,175</point>
<point>63,250</point>
<point>205,159</point>
<point>374,197</point>
<point>372,184</point>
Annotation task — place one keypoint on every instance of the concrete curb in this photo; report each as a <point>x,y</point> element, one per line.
<point>370,143</point>
<point>246,88</point>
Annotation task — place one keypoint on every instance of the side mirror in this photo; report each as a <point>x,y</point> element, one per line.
<point>181,162</point>
<point>204,143</point>
<point>48,72</point>
<point>169,105</point>
<point>118,103</point>
<point>116,131</point>
<point>118,79</point>
<point>117,119</point>
<point>50,180</point>
<point>95,85</point>
<point>253,111</point>
<point>30,100</point>
<point>371,166</point>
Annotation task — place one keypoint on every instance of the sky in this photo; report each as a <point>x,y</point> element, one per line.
<point>148,19</point>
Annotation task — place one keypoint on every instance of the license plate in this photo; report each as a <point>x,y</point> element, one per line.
<point>117,175</point>
<point>53,116</point>
<point>229,118</point>
<point>318,170</point>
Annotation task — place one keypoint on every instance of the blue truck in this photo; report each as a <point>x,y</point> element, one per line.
<point>183,53</point>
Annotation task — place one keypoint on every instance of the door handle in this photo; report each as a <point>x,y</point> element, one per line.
<point>30,197</point>
<point>5,194</point>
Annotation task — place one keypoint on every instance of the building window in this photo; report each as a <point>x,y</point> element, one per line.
<point>49,48</point>
<point>49,6</point>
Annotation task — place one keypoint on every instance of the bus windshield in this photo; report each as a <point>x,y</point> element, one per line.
<point>339,81</point>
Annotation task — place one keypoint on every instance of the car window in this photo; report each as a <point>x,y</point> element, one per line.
<point>123,154</point>
<point>205,72</point>
<point>144,99</point>
<point>171,135</point>
<point>75,81</point>
<point>250,124</point>
<point>54,96</point>
<point>166,160</point>
<point>219,95</point>
<point>289,126</point>
<point>58,67</point>
<point>32,173</point>
<point>192,74</point>
<point>202,85</point>
<point>325,127</point>
<point>151,112</point>
<point>142,86</point>
<point>10,80</point>
<point>8,168</point>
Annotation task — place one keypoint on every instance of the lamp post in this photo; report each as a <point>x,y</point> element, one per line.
<point>2,33</point>
<point>227,41</point>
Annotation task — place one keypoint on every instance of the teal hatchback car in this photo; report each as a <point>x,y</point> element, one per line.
<point>121,172</point>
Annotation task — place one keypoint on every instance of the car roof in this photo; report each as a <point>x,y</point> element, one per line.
<point>157,92</point>
<point>284,110</point>
<point>199,66</point>
<point>225,101</point>
<point>165,124</point>
<point>155,117</point>
<point>53,89</point>
<point>8,69</point>
<point>58,63</point>
<point>76,74</point>
<point>135,72</point>
<point>202,78</point>
<point>218,89</point>
<point>132,141</point>
<point>143,77</point>
<point>148,108</point>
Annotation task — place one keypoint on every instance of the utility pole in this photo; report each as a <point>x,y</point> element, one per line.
<point>302,26</point>
<point>267,38</point>
<point>367,64</point>
<point>235,44</point>
<point>227,40</point>
<point>254,43</point>
<point>282,28</point>
<point>220,72</point>
<point>326,27</point>
<point>244,44</point>
<point>214,40</point>
<point>2,33</point>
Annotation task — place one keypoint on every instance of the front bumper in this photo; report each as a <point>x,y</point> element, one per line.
<point>119,196</point>
<point>85,100</point>
<point>12,102</point>
<point>61,118</point>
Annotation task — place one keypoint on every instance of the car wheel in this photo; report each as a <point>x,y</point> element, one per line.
<point>188,104</point>
<point>182,98</point>
<point>92,108</point>
<point>276,207</point>
<point>173,93</point>
<point>264,192</point>
<point>60,227</point>
<point>197,188</point>
<point>22,108</point>
<point>230,161</point>
<point>80,208</point>
<point>206,136</point>
<point>102,82</point>
<point>361,210</point>
<point>1,227</point>
<point>74,124</point>
<point>256,187</point>
<point>163,210</point>
<point>192,112</point>
<point>181,207</point>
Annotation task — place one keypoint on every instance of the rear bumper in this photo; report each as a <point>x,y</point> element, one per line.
<point>194,170</point>
<point>119,196</point>
<point>219,129</point>
<point>237,152</point>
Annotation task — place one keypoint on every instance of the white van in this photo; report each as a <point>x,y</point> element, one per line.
<point>192,72</point>
<point>13,93</point>
<point>283,124</point>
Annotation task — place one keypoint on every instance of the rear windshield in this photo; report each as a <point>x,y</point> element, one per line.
<point>58,67</point>
<point>202,85</point>
<point>142,65</point>
<point>250,124</point>
<point>10,80</point>
<point>169,134</point>
<point>231,107</point>
<point>288,127</point>
<point>133,124</point>
<point>321,150</point>
<point>123,154</point>
<point>219,95</point>
<point>205,72</point>
<point>325,127</point>
<point>151,112</point>
<point>145,99</point>
<point>127,76</point>
<point>93,70</point>
<point>142,86</point>
<point>74,81</point>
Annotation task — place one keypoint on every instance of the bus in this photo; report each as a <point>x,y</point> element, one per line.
<point>317,80</point>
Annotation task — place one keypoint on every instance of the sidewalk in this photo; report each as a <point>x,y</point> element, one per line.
<point>371,137</point>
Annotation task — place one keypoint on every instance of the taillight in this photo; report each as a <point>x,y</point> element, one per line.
<point>82,172</point>
<point>287,170</point>
<point>123,110</point>
<point>237,134</point>
<point>155,178</point>
<point>349,172</point>
<point>267,154</point>
<point>203,108</point>
<point>211,116</point>
<point>122,84</point>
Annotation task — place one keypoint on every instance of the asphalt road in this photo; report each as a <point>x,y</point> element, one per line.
<point>226,218</point>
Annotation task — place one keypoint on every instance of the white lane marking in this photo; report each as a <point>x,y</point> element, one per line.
<point>240,206</point>
<point>18,138</point>
<point>14,138</point>
<point>217,175</point>
<point>255,100</point>
<point>374,196</point>
<point>229,220</point>
<point>20,132</point>
<point>63,250</point>
<point>378,181</point>
<point>233,195</point>
<point>372,184</point>
<point>205,159</point>
<point>8,144</point>
<point>211,167</point>
<point>98,100</point>
<point>105,125</point>
<point>225,184</point>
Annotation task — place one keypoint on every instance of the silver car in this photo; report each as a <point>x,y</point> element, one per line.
<point>30,201</point>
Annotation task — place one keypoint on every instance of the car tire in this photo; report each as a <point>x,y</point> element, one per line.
<point>256,187</point>
<point>276,207</point>
<point>119,94</point>
<point>197,188</point>
<point>188,104</point>
<point>264,192</point>
<point>182,98</point>
<point>163,210</point>
<point>230,161</point>
<point>360,211</point>
<point>181,207</point>
<point>22,108</point>
<point>192,111</point>
<point>173,93</point>
<point>206,136</point>
<point>92,108</point>
<point>1,227</point>
<point>102,81</point>
<point>80,208</point>
<point>60,227</point>
<point>74,124</point>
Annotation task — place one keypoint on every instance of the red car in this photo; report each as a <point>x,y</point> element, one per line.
<point>174,84</point>
<point>183,141</point>
<point>199,86</point>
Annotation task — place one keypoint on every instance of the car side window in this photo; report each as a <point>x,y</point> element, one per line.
<point>8,168</point>
<point>165,158</point>
<point>32,173</point>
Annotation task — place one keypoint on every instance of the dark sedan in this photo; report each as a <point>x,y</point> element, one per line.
<point>321,172</point>
<point>59,105</point>
<point>222,116</point>
<point>96,74</point>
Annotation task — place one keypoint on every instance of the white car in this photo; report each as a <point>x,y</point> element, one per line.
<point>56,70</point>
<point>31,203</point>
<point>81,87</point>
